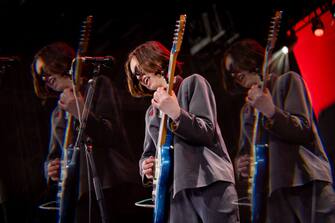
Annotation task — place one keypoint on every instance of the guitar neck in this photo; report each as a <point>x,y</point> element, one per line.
<point>265,67</point>
<point>163,160</point>
<point>76,80</point>
<point>265,74</point>
<point>163,123</point>
<point>171,72</point>
<point>162,131</point>
<point>69,131</point>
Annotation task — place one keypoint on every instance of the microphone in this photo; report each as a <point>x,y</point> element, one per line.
<point>9,59</point>
<point>103,59</point>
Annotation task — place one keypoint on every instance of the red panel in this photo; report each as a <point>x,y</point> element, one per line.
<point>316,59</point>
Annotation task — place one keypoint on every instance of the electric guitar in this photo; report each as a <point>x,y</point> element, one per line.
<point>163,158</point>
<point>258,153</point>
<point>68,183</point>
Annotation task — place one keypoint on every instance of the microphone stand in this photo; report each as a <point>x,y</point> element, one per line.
<point>88,146</point>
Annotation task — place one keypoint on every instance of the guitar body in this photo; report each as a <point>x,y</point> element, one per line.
<point>259,151</point>
<point>259,189</point>
<point>162,187</point>
<point>163,158</point>
<point>69,188</point>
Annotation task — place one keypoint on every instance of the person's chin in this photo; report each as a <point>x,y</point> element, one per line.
<point>51,87</point>
<point>57,88</point>
<point>249,84</point>
<point>151,88</point>
<point>243,84</point>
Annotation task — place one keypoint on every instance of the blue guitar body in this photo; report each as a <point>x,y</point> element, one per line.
<point>162,187</point>
<point>164,162</point>
<point>260,151</point>
<point>259,189</point>
<point>69,182</point>
<point>69,189</point>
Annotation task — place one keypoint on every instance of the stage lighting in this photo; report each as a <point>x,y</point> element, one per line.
<point>317,26</point>
<point>284,50</point>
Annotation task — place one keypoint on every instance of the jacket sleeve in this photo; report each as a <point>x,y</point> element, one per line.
<point>56,138</point>
<point>292,120</point>
<point>196,123</point>
<point>149,149</point>
<point>57,129</point>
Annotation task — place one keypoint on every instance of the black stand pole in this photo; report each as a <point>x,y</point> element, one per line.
<point>88,148</point>
<point>97,185</point>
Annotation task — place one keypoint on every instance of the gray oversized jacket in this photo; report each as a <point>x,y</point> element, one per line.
<point>200,154</point>
<point>110,152</point>
<point>296,154</point>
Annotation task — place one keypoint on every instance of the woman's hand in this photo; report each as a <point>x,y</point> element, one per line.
<point>260,100</point>
<point>54,169</point>
<point>67,102</point>
<point>166,103</point>
<point>242,164</point>
<point>148,167</point>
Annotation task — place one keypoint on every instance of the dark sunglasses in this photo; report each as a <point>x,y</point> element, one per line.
<point>137,73</point>
<point>44,74</point>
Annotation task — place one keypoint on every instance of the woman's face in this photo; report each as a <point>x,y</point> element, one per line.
<point>150,80</point>
<point>244,78</point>
<point>56,82</point>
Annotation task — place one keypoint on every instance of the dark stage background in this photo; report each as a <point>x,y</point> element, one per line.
<point>118,27</point>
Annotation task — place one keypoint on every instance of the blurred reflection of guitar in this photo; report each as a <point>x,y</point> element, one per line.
<point>258,154</point>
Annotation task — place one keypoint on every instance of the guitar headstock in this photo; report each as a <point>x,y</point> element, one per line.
<point>179,33</point>
<point>274,29</point>
<point>85,35</point>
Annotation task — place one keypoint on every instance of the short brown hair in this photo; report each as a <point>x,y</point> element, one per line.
<point>152,57</point>
<point>247,54</point>
<point>57,58</point>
